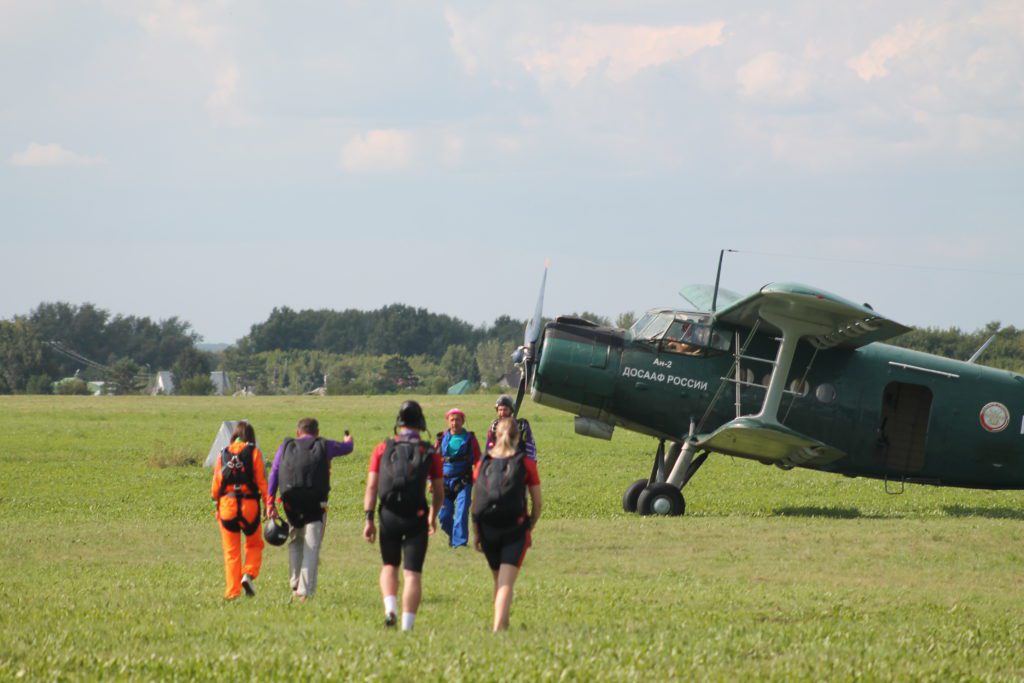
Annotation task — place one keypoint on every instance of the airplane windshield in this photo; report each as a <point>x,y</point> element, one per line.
<point>652,325</point>
<point>679,332</point>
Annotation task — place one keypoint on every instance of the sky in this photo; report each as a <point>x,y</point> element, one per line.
<point>214,160</point>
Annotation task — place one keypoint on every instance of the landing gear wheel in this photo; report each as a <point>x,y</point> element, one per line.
<point>661,499</point>
<point>633,492</point>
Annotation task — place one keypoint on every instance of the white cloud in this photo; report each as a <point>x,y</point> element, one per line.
<point>378,151</point>
<point>901,42</point>
<point>52,155</point>
<point>222,102</point>
<point>183,19</point>
<point>462,32</point>
<point>190,48</point>
<point>619,51</point>
<point>773,76</point>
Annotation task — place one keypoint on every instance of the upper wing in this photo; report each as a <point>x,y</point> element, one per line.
<point>837,322</point>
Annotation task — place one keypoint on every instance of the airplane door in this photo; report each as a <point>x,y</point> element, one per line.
<point>903,428</point>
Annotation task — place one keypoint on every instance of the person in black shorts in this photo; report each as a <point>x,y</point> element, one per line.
<point>501,522</point>
<point>399,471</point>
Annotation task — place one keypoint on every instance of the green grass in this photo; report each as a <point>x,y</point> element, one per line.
<point>110,564</point>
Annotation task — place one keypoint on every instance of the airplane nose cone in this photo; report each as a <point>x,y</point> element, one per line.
<point>519,355</point>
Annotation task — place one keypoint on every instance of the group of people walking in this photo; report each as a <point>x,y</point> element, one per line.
<point>497,490</point>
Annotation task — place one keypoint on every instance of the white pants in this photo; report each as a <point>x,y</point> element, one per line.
<point>304,557</point>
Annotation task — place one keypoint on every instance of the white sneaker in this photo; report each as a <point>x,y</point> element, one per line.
<point>247,585</point>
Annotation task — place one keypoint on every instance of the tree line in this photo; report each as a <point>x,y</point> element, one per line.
<point>392,349</point>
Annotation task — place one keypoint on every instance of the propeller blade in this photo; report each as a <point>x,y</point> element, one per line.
<point>521,392</point>
<point>526,355</point>
<point>533,328</point>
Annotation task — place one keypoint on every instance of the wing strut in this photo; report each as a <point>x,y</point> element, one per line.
<point>793,330</point>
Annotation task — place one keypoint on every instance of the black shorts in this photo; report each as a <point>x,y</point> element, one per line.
<point>403,536</point>
<point>506,545</point>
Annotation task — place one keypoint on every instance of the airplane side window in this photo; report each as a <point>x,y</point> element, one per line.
<point>680,338</point>
<point>826,393</point>
<point>719,342</point>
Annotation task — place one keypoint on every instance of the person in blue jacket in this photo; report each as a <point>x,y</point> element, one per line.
<point>460,451</point>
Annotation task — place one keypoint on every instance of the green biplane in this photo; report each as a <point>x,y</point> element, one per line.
<point>790,376</point>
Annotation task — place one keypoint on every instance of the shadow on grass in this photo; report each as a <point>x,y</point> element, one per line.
<point>818,511</point>
<point>988,513</point>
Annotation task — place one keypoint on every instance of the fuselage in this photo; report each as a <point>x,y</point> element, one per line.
<point>895,413</point>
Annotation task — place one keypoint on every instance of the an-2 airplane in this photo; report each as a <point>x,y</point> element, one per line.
<point>790,376</point>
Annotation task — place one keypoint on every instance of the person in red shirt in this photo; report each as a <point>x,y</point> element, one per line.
<point>239,483</point>
<point>399,471</point>
<point>501,522</point>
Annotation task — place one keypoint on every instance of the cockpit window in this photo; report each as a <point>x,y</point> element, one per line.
<point>678,332</point>
<point>640,324</point>
<point>652,326</point>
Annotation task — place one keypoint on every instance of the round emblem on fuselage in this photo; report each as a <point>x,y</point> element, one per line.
<point>994,417</point>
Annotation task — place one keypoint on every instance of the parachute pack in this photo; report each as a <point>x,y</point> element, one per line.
<point>236,473</point>
<point>305,480</point>
<point>499,495</point>
<point>404,468</point>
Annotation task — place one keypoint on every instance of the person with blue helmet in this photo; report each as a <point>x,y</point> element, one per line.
<point>460,451</point>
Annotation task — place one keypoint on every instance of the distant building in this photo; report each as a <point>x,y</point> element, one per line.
<point>164,383</point>
<point>460,387</point>
<point>509,379</point>
<point>221,383</point>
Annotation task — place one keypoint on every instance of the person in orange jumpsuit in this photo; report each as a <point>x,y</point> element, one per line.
<point>239,484</point>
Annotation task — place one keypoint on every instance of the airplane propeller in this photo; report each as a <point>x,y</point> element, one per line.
<point>526,355</point>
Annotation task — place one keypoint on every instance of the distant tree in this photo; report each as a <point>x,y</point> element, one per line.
<point>246,367</point>
<point>458,364</point>
<point>494,359</point>
<point>39,384</point>
<point>1006,350</point>
<point>625,320</point>
<point>20,355</point>
<point>395,329</point>
<point>506,329</point>
<point>397,375</point>
<point>196,385</point>
<point>594,318</point>
<point>191,362</point>
<point>127,376</point>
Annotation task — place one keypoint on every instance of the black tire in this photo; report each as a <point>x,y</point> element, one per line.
<point>661,499</point>
<point>632,493</point>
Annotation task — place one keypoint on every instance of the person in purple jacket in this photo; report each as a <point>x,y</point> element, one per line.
<point>300,479</point>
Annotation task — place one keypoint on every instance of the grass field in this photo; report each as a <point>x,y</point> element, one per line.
<point>110,564</point>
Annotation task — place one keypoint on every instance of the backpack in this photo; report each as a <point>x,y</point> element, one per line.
<point>305,479</point>
<point>236,472</point>
<point>499,495</point>
<point>402,482</point>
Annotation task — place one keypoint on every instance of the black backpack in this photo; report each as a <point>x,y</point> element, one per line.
<point>404,468</point>
<point>499,494</point>
<point>236,471</point>
<point>305,479</point>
